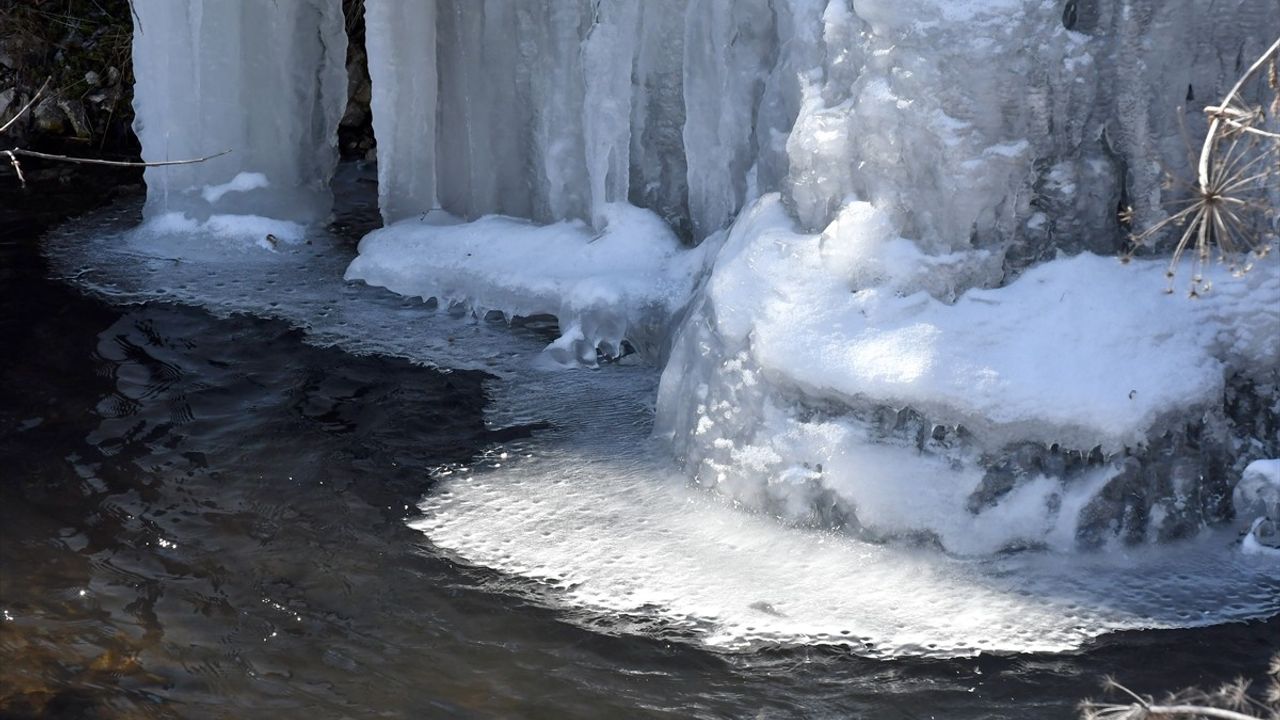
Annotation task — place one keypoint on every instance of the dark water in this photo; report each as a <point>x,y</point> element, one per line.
<point>204,517</point>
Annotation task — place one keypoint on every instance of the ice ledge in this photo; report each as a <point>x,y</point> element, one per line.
<point>625,283</point>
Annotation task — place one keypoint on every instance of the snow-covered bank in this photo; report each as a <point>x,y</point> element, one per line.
<point>847,378</point>
<point>893,325</point>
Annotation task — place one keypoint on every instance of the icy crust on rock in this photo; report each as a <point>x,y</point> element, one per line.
<point>625,283</point>
<point>1258,492</point>
<point>819,375</point>
<point>264,80</point>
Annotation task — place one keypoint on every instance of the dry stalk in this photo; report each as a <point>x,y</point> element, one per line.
<point>13,153</point>
<point>1232,701</point>
<point>1235,173</point>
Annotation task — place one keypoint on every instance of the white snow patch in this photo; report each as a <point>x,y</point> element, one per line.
<point>176,234</point>
<point>242,182</point>
<point>1082,351</point>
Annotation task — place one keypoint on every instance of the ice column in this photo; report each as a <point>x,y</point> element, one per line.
<point>728,50</point>
<point>402,68</point>
<point>265,80</point>
<point>608,54</point>
<point>551,109</point>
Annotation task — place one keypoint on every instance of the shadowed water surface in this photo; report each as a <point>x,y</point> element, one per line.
<point>205,517</point>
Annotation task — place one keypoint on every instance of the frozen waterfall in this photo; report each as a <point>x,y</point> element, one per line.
<point>837,222</point>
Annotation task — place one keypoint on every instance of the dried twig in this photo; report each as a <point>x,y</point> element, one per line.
<point>13,153</point>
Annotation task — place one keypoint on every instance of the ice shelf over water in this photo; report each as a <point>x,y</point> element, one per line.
<point>627,282</point>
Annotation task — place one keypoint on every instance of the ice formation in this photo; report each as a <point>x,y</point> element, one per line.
<point>978,423</point>
<point>591,517</point>
<point>264,80</point>
<point>625,283</point>
<point>868,240</point>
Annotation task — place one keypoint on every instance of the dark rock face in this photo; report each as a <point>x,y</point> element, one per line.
<point>355,131</point>
<point>1179,483</point>
<point>82,48</point>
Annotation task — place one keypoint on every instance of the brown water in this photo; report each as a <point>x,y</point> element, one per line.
<point>204,517</point>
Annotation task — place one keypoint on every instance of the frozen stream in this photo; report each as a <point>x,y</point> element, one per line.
<point>589,518</point>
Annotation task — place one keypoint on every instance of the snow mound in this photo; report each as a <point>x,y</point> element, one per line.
<point>1083,351</point>
<point>624,283</point>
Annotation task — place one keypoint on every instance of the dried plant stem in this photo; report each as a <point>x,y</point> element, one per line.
<point>1218,113</point>
<point>13,153</point>
<point>1229,199</point>
<point>25,108</point>
<point>1144,710</point>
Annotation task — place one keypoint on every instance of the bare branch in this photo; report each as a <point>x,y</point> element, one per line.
<point>114,163</point>
<point>17,167</point>
<point>22,180</point>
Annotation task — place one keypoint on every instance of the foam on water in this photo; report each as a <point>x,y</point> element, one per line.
<point>590,518</point>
